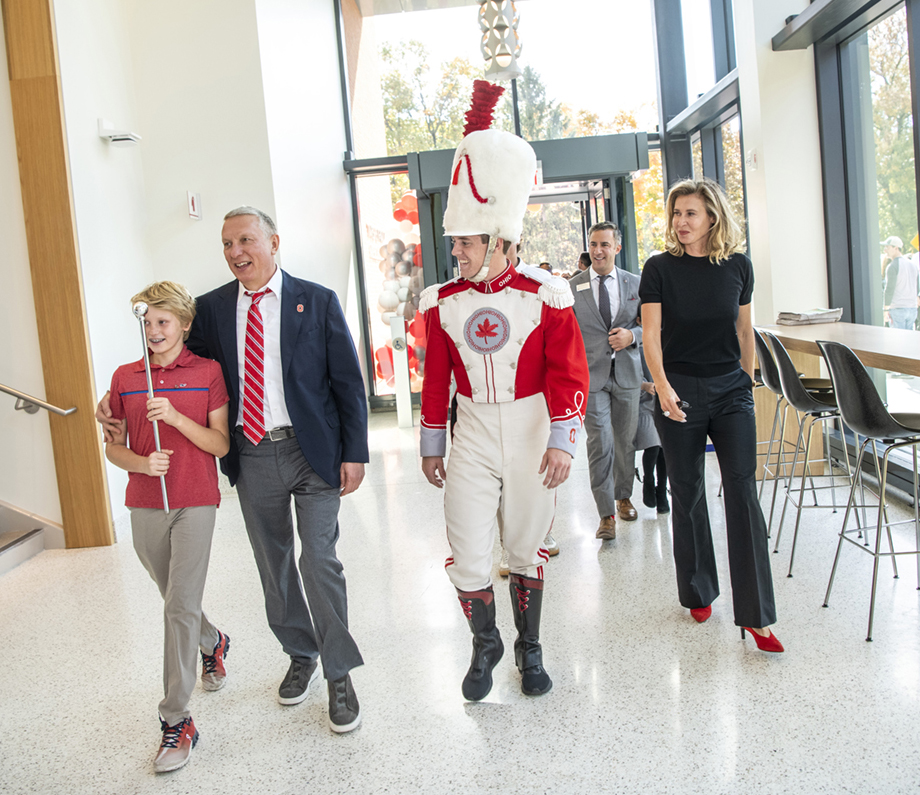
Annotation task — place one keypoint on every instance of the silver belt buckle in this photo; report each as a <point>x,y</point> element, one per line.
<point>277,434</point>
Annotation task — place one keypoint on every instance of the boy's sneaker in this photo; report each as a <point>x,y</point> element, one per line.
<point>504,566</point>
<point>213,671</point>
<point>176,747</point>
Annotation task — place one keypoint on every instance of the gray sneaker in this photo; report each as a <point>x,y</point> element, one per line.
<point>293,689</point>
<point>344,712</point>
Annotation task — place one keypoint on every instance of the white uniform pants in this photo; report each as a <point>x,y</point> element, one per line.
<point>494,465</point>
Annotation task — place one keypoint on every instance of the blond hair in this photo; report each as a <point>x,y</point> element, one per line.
<point>726,237</point>
<point>170,297</point>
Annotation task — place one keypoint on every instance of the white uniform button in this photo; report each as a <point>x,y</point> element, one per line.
<point>514,365</point>
<point>444,325</point>
<point>521,341</point>
<point>468,367</point>
<point>440,302</point>
<point>511,389</point>
<point>507,289</point>
<point>475,391</point>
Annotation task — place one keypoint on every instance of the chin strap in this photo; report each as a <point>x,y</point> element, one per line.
<point>484,270</point>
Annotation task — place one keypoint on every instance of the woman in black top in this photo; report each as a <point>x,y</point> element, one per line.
<point>699,345</point>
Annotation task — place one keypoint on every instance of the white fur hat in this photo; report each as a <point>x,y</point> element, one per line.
<point>492,176</point>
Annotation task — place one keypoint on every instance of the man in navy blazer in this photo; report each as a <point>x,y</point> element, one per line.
<point>314,449</point>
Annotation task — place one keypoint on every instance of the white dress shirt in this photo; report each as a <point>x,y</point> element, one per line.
<point>276,413</point>
<point>613,292</point>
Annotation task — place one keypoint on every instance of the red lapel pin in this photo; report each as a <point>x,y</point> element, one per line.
<point>300,307</point>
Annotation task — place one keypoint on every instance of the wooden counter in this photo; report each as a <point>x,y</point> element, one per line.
<point>876,346</point>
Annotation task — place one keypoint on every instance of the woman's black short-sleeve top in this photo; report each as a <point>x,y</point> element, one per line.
<point>699,310</point>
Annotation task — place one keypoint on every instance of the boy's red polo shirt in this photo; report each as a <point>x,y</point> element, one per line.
<point>195,387</point>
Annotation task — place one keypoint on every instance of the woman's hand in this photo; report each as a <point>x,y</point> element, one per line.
<point>670,402</point>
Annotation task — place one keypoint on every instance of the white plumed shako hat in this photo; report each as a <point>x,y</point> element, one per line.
<point>491,176</point>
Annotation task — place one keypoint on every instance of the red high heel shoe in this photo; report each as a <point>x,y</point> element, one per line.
<point>701,614</point>
<point>764,643</point>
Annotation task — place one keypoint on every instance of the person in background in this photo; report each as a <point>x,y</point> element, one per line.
<point>654,494</point>
<point>902,285</point>
<point>584,261</point>
<point>606,305</point>
<point>699,345</point>
<point>546,267</point>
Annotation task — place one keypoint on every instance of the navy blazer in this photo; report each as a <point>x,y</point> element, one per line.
<point>323,388</point>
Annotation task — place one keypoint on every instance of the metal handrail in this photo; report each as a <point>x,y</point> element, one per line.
<point>31,405</point>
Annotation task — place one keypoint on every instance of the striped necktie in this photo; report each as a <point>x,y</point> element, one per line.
<point>254,378</point>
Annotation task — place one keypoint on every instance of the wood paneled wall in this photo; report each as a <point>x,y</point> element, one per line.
<point>57,283</point>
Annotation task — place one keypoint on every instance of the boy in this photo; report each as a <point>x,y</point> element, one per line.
<point>190,403</point>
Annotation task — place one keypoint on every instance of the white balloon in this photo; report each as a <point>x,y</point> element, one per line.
<point>388,301</point>
<point>392,285</point>
<point>385,317</point>
<point>404,281</point>
<point>403,293</point>
<point>401,309</point>
<point>405,228</point>
<point>411,238</point>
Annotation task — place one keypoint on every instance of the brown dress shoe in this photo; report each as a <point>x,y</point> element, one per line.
<point>607,529</point>
<point>626,511</point>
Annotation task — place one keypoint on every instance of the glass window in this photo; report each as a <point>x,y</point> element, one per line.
<point>648,196</point>
<point>733,164</point>
<point>552,233</point>
<point>882,194</point>
<point>697,23</point>
<point>393,279</point>
<point>411,74</point>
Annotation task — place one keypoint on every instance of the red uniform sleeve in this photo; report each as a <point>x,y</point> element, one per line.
<point>566,376</point>
<point>435,388</point>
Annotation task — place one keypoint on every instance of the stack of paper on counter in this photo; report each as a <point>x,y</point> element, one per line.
<point>809,316</point>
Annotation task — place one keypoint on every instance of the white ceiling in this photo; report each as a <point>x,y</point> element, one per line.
<point>370,8</point>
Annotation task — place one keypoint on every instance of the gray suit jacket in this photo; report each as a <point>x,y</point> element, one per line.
<point>628,371</point>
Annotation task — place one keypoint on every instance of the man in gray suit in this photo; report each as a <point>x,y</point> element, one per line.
<point>606,306</point>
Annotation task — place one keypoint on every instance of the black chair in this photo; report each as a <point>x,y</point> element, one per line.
<point>769,377</point>
<point>864,412</point>
<point>812,407</point>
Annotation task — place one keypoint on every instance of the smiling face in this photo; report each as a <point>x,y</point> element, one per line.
<point>249,252</point>
<point>470,253</point>
<point>165,335</point>
<point>692,223</point>
<point>603,249</point>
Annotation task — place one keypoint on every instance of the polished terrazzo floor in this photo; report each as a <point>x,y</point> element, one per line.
<point>645,700</point>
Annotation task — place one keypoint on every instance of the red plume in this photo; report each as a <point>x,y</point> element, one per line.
<point>485,98</point>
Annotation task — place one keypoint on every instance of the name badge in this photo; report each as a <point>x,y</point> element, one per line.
<point>585,286</point>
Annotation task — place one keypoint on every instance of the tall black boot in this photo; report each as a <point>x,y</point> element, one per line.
<point>479,609</point>
<point>649,457</point>
<point>661,490</point>
<point>527,602</point>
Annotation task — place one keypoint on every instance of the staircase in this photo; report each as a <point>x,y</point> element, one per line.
<point>17,546</point>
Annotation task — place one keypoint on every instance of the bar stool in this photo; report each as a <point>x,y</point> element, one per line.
<point>864,412</point>
<point>770,379</point>
<point>812,407</point>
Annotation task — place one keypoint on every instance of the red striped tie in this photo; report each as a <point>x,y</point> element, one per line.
<point>254,379</point>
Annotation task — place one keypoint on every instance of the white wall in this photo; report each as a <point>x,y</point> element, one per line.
<point>27,478</point>
<point>780,130</point>
<point>107,183</point>
<point>201,110</point>
<point>306,132</point>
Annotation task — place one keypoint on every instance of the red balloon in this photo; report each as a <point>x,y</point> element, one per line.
<point>417,328</point>
<point>409,202</point>
<point>400,215</point>
<point>384,355</point>
<point>413,216</point>
<point>417,257</point>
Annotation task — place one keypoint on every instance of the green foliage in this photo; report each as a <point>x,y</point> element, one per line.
<point>891,116</point>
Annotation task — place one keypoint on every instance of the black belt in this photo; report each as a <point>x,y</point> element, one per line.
<point>275,434</point>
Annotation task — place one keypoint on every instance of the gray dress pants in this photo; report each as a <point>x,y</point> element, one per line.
<point>271,473</point>
<point>611,417</point>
